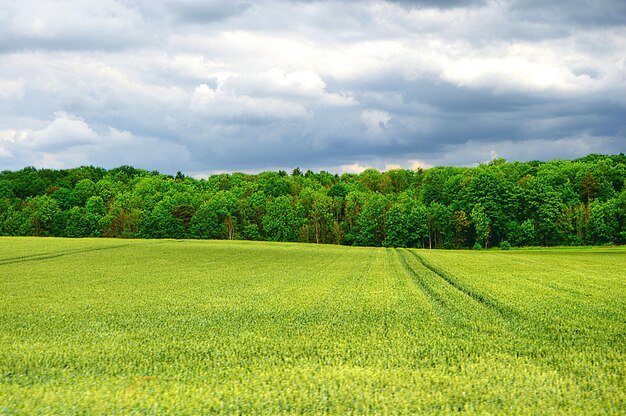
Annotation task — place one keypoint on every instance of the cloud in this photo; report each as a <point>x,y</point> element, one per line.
<point>71,25</point>
<point>64,132</point>
<point>514,70</point>
<point>265,96</point>
<point>70,141</point>
<point>4,153</point>
<point>197,11</point>
<point>415,164</point>
<point>352,168</point>
<point>599,13</point>
<point>300,85</point>
<point>375,121</point>
<point>438,4</point>
<point>12,88</point>
<point>227,106</point>
<point>471,152</point>
<point>222,86</point>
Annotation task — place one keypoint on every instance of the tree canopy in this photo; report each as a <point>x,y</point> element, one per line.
<point>559,202</point>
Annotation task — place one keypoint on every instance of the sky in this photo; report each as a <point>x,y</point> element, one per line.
<point>213,86</point>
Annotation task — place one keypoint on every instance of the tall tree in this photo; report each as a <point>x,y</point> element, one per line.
<point>482,224</point>
<point>282,220</point>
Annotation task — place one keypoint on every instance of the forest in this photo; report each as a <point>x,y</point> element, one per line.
<point>497,204</point>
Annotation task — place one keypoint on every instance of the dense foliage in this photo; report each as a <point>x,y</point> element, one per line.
<point>519,204</point>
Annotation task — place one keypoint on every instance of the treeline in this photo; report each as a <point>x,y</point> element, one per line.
<point>495,204</point>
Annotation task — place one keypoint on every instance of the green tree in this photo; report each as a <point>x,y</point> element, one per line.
<point>6,189</point>
<point>603,226</point>
<point>274,185</point>
<point>319,211</point>
<point>65,198</point>
<point>27,183</point>
<point>95,213</point>
<point>123,219</point>
<point>544,206</point>
<point>527,235</point>
<point>375,181</point>
<point>282,220</point>
<point>84,189</point>
<point>441,226</point>
<point>77,224</point>
<point>482,225</point>
<point>418,221</point>
<point>406,223</point>
<point>397,226</point>
<point>371,219</point>
<point>461,228</point>
<point>224,204</point>
<point>47,217</point>
<point>205,223</point>
<point>160,223</point>
<point>18,220</point>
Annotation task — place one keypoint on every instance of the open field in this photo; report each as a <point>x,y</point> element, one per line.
<point>115,326</point>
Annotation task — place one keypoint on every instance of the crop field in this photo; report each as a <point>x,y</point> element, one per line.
<point>188,327</point>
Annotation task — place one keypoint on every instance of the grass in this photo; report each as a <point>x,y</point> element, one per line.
<point>151,327</point>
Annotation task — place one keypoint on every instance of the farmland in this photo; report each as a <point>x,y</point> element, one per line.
<point>154,326</point>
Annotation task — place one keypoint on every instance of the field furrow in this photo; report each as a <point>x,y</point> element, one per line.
<point>419,279</point>
<point>458,306</point>
<point>39,257</point>
<point>458,285</point>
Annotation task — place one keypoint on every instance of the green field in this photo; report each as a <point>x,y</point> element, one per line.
<point>154,326</point>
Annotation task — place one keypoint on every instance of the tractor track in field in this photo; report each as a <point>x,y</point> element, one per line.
<point>418,280</point>
<point>46,256</point>
<point>451,282</point>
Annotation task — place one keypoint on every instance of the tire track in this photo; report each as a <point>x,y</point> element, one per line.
<point>18,258</point>
<point>419,281</point>
<point>453,282</point>
<point>46,256</point>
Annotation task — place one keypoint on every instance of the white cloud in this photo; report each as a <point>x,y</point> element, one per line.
<point>5,153</point>
<point>7,136</point>
<point>220,104</point>
<point>11,88</point>
<point>415,164</point>
<point>64,132</point>
<point>392,166</point>
<point>381,164</point>
<point>352,168</point>
<point>69,141</point>
<point>520,67</point>
<point>195,66</point>
<point>298,85</point>
<point>72,24</point>
<point>375,121</point>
